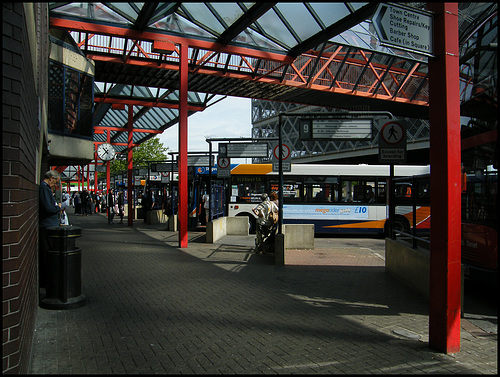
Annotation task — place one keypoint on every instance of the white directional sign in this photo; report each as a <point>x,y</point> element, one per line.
<point>243,150</point>
<point>336,129</point>
<point>392,142</point>
<point>404,27</point>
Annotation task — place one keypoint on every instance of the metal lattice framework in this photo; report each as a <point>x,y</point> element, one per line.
<point>265,125</point>
<point>332,59</point>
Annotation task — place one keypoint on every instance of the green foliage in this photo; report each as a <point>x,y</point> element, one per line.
<point>150,150</point>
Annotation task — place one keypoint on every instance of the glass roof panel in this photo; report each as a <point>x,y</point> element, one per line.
<point>272,25</point>
<point>125,8</point>
<point>329,13</point>
<point>307,26</point>
<point>204,16</point>
<point>94,11</point>
<point>252,38</point>
<point>229,12</point>
<point>176,23</point>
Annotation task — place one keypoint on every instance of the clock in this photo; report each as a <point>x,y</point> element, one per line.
<point>106,152</point>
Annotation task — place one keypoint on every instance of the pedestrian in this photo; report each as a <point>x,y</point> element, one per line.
<point>120,206</point>
<point>83,199</point>
<point>64,205</point>
<point>262,212</point>
<point>273,197</point>
<point>110,203</point>
<point>78,203</point>
<point>206,206</point>
<point>90,203</point>
<point>49,212</point>
<point>97,202</point>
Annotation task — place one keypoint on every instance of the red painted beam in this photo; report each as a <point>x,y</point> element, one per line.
<point>445,153</point>
<point>137,102</point>
<point>116,31</point>
<point>484,138</point>
<point>122,129</point>
<point>265,78</point>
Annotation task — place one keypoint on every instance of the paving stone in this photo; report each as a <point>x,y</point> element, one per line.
<point>218,308</point>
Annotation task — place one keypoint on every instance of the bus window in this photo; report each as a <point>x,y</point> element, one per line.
<point>320,189</point>
<point>362,192</point>
<point>292,190</point>
<point>381,192</point>
<point>247,188</point>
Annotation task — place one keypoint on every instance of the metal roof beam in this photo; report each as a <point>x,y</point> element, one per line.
<point>246,19</point>
<point>331,31</point>
<point>147,11</point>
<point>144,102</point>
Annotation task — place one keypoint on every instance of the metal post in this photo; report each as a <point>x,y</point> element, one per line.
<point>445,153</point>
<point>392,204</point>
<point>130,165</point>
<point>209,182</point>
<point>280,188</point>
<point>183,147</point>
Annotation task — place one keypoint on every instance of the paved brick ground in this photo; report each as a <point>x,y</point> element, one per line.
<point>156,308</point>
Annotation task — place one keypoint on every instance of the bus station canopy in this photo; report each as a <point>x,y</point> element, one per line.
<point>321,54</point>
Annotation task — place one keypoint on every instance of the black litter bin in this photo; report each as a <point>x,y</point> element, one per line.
<point>63,269</point>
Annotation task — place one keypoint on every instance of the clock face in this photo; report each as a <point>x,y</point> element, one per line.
<point>106,152</point>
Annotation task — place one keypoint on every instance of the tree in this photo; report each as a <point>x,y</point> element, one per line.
<point>150,150</point>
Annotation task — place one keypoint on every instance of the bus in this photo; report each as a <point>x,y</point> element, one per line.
<point>479,218</point>
<point>480,225</point>
<point>337,199</point>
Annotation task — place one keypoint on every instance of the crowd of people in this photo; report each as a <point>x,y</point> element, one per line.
<point>86,203</point>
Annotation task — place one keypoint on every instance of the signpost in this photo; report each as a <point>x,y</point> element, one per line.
<point>404,28</point>
<point>223,167</point>
<point>336,129</point>
<point>287,165</point>
<point>243,150</point>
<point>392,143</point>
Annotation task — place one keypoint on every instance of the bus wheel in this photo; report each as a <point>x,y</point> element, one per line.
<point>401,224</point>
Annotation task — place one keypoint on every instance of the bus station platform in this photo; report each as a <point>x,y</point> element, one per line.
<point>221,309</point>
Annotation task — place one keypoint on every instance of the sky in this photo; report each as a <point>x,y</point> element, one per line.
<point>229,118</point>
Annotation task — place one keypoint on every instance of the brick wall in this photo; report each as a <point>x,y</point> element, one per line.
<point>20,170</point>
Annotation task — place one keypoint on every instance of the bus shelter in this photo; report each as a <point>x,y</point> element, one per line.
<point>153,60</point>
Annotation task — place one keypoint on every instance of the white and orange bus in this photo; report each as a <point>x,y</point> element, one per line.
<point>335,198</point>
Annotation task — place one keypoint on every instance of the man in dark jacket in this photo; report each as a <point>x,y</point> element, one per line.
<point>110,203</point>
<point>48,216</point>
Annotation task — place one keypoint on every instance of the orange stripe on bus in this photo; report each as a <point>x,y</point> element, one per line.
<point>252,169</point>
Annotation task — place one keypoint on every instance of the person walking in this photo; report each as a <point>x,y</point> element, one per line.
<point>273,226</point>
<point>83,199</point>
<point>262,212</point>
<point>49,212</point>
<point>78,203</point>
<point>110,203</point>
<point>121,204</point>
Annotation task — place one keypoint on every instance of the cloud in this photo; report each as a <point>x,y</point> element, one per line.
<point>229,118</point>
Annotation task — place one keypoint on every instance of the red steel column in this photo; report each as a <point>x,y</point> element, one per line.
<point>108,165</point>
<point>183,147</point>
<point>130,165</point>
<point>445,155</point>
<point>95,172</point>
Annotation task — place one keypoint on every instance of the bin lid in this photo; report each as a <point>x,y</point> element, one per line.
<point>64,231</point>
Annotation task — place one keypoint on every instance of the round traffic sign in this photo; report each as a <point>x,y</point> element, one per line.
<point>223,162</point>
<point>392,133</point>
<point>285,152</point>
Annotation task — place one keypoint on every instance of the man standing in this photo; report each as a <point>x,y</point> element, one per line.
<point>263,224</point>
<point>48,216</point>
<point>110,203</point>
